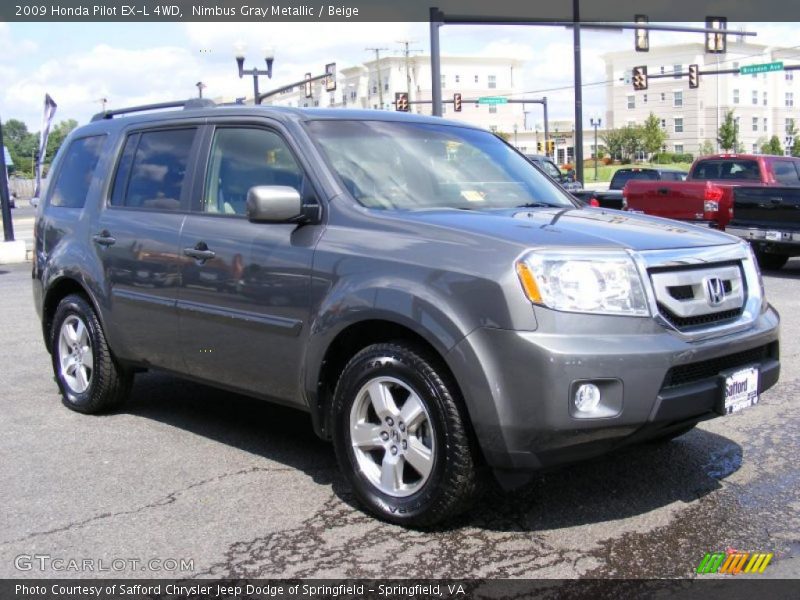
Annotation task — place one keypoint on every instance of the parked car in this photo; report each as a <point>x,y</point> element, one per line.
<point>708,198</point>
<point>612,198</point>
<point>437,305</point>
<point>566,180</point>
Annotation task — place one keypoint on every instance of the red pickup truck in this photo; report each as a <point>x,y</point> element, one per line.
<point>706,196</point>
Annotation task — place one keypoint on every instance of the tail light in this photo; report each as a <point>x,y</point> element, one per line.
<point>594,201</point>
<point>713,194</point>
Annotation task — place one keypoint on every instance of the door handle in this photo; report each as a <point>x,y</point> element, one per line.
<point>663,190</point>
<point>104,239</point>
<point>200,252</point>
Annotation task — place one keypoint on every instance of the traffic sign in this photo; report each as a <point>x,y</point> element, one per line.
<point>762,68</point>
<point>492,100</point>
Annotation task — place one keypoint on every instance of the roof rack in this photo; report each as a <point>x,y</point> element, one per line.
<point>184,104</point>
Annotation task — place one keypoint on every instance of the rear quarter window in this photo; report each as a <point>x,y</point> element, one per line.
<point>76,172</point>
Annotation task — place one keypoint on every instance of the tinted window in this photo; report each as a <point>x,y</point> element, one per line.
<point>623,176</point>
<point>727,168</point>
<point>785,172</point>
<point>243,158</point>
<point>75,173</point>
<point>152,175</point>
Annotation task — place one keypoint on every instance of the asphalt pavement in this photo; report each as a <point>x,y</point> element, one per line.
<point>240,488</point>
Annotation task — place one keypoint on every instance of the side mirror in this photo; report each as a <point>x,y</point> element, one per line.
<point>34,202</point>
<point>274,204</point>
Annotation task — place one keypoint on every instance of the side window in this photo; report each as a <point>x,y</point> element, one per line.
<point>785,172</point>
<point>242,158</point>
<point>152,169</point>
<point>76,172</point>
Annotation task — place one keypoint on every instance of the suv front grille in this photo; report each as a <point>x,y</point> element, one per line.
<point>706,369</point>
<point>699,296</point>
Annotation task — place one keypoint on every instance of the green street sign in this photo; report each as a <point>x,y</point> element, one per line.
<point>762,68</point>
<point>494,100</point>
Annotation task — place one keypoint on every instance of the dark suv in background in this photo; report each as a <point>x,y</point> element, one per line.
<point>433,301</point>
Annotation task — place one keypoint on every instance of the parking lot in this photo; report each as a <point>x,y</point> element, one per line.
<point>244,489</point>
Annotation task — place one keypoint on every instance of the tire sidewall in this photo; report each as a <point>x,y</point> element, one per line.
<point>74,306</point>
<point>390,364</point>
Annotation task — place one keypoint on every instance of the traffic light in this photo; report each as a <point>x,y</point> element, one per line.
<point>308,85</point>
<point>457,102</point>
<point>330,80</point>
<point>401,101</point>
<point>538,147</point>
<point>641,36</point>
<point>716,43</point>
<point>694,76</point>
<point>551,147</point>
<point>640,78</point>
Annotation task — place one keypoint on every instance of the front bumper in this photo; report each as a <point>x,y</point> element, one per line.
<point>518,385</point>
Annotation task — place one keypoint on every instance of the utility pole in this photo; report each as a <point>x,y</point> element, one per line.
<point>407,59</point>
<point>377,52</point>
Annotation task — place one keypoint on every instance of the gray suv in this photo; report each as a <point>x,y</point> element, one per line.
<point>439,306</point>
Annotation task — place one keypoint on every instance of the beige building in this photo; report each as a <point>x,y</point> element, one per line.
<point>373,84</point>
<point>764,105</point>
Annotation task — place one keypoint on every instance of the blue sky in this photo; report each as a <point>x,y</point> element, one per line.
<point>133,63</point>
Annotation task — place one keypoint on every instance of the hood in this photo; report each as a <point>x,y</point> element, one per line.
<point>589,227</point>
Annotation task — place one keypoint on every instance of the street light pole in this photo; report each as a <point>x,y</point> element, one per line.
<point>269,57</point>
<point>595,123</point>
<point>200,87</point>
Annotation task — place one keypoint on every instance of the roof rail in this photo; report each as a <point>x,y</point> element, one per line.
<point>185,104</point>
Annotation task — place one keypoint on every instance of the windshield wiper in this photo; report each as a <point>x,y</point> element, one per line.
<point>538,205</point>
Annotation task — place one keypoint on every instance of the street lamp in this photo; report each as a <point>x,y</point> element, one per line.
<point>595,122</point>
<point>200,87</point>
<point>515,136</point>
<point>269,57</point>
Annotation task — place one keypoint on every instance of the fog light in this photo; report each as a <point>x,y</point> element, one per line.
<point>587,397</point>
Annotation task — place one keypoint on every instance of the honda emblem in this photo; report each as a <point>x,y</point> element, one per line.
<point>715,291</point>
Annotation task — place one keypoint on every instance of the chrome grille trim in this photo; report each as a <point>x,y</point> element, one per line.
<point>696,279</point>
<point>740,253</point>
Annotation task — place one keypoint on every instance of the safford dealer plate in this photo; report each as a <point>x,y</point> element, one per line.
<point>741,390</point>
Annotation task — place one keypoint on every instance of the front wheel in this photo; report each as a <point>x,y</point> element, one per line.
<point>400,436</point>
<point>89,378</point>
<point>770,262</point>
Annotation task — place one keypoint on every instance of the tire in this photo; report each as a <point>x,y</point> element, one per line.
<point>771,262</point>
<point>437,476</point>
<point>672,434</point>
<point>89,378</point>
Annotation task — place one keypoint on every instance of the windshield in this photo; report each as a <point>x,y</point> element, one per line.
<point>406,166</point>
<point>549,168</point>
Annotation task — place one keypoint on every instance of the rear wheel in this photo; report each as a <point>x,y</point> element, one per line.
<point>89,378</point>
<point>401,438</point>
<point>770,262</point>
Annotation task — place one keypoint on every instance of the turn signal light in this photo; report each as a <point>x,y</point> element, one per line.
<point>528,283</point>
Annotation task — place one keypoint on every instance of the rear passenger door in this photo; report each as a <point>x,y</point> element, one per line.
<point>245,293</point>
<point>137,238</point>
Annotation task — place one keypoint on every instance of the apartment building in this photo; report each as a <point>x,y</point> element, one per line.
<point>373,84</point>
<point>764,104</point>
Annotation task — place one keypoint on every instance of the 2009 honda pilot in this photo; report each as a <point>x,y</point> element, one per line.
<point>433,301</point>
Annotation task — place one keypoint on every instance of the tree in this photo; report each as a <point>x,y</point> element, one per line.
<point>773,147</point>
<point>653,136</point>
<point>726,136</point>
<point>632,140</point>
<point>21,145</point>
<point>612,139</point>
<point>57,136</point>
<point>796,146</point>
<point>706,148</point>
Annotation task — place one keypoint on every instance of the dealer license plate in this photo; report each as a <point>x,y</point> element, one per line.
<point>741,390</point>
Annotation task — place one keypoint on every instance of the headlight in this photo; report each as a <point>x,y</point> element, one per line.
<point>599,281</point>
